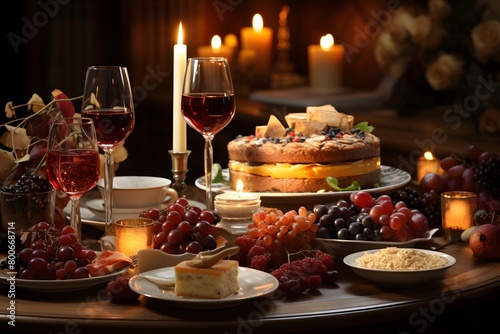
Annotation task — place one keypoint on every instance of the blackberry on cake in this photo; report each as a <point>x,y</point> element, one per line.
<point>314,146</point>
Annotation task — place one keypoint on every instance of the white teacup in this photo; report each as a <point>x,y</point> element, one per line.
<point>140,191</point>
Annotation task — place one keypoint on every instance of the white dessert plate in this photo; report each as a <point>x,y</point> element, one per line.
<point>399,278</point>
<point>253,283</point>
<point>60,285</point>
<point>340,248</point>
<point>390,178</point>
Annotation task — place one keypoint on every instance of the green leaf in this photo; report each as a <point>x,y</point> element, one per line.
<point>364,126</point>
<point>217,173</point>
<point>334,183</point>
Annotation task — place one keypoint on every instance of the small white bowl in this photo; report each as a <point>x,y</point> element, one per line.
<point>399,278</point>
<point>140,191</point>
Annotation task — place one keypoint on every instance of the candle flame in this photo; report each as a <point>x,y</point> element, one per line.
<point>428,156</point>
<point>257,23</point>
<point>179,35</point>
<point>326,42</point>
<point>239,186</point>
<point>216,42</point>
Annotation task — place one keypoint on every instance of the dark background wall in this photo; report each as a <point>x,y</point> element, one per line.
<point>49,44</point>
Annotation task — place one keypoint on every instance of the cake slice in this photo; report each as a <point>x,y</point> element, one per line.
<point>216,282</point>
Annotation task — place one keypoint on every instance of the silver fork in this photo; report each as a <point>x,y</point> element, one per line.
<point>134,260</point>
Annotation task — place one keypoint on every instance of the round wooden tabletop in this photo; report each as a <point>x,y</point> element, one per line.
<point>353,304</point>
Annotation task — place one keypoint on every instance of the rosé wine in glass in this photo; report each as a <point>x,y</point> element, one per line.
<point>72,163</point>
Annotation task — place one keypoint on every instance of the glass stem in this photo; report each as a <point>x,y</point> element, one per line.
<point>109,170</point>
<point>75,217</point>
<point>208,172</point>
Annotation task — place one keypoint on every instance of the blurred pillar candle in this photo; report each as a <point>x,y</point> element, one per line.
<point>134,234</point>
<point>325,65</point>
<point>428,164</point>
<point>259,39</point>
<point>216,49</point>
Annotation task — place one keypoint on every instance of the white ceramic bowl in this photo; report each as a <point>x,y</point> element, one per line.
<point>399,278</point>
<point>140,191</point>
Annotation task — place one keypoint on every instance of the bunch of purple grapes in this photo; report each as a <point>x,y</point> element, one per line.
<point>52,252</point>
<point>183,228</point>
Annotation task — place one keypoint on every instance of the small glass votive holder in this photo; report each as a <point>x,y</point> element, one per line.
<point>457,212</point>
<point>134,234</point>
<point>236,210</point>
<point>21,211</point>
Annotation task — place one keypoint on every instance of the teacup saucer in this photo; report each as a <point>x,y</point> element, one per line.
<point>97,207</point>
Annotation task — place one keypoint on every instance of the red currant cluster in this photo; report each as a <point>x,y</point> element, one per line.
<point>307,273</point>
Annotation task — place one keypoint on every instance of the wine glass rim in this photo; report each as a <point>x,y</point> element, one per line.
<point>208,58</point>
<point>106,67</point>
<point>74,119</point>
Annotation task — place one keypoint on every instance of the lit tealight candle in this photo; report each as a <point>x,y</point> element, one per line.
<point>259,39</point>
<point>236,209</point>
<point>216,49</point>
<point>428,164</point>
<point>457,212</point>
<point>325,65</point>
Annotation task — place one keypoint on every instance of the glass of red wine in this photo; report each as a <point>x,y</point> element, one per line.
<point>208,105</point>
<point>73,161</point>
<point>107,100</point>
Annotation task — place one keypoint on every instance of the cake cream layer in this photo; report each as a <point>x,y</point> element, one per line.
<point>308,171</point>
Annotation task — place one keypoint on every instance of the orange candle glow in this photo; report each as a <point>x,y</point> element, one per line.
<point>457,212</point>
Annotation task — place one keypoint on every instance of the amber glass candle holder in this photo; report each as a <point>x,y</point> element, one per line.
<point>457,212</point>
<point>134,234</point>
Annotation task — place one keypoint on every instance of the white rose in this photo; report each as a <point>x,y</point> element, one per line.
<point>445,72</point>
<point>426,32</point>
<point>387,50</point>
<point>400,25</point>
<point>439,9</point>
<point>486,41</point>
<point>489,122</point>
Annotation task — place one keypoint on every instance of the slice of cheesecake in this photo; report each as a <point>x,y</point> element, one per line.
<point>216,282</point>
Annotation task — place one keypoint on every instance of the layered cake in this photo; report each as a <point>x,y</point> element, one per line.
<point>317,144</point>
<point>216,282</point>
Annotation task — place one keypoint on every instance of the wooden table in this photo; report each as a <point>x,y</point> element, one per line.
<point>354,304</point>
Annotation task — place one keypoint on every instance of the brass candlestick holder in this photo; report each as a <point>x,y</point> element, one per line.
<point>179,168</point>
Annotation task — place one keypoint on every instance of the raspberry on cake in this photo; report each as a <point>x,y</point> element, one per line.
<point>317,144</point>
<point>216,282</point>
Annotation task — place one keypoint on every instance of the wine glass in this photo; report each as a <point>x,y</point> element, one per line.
<point>107,100</point>
<point>208,105</point>
<point>73,161</point>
